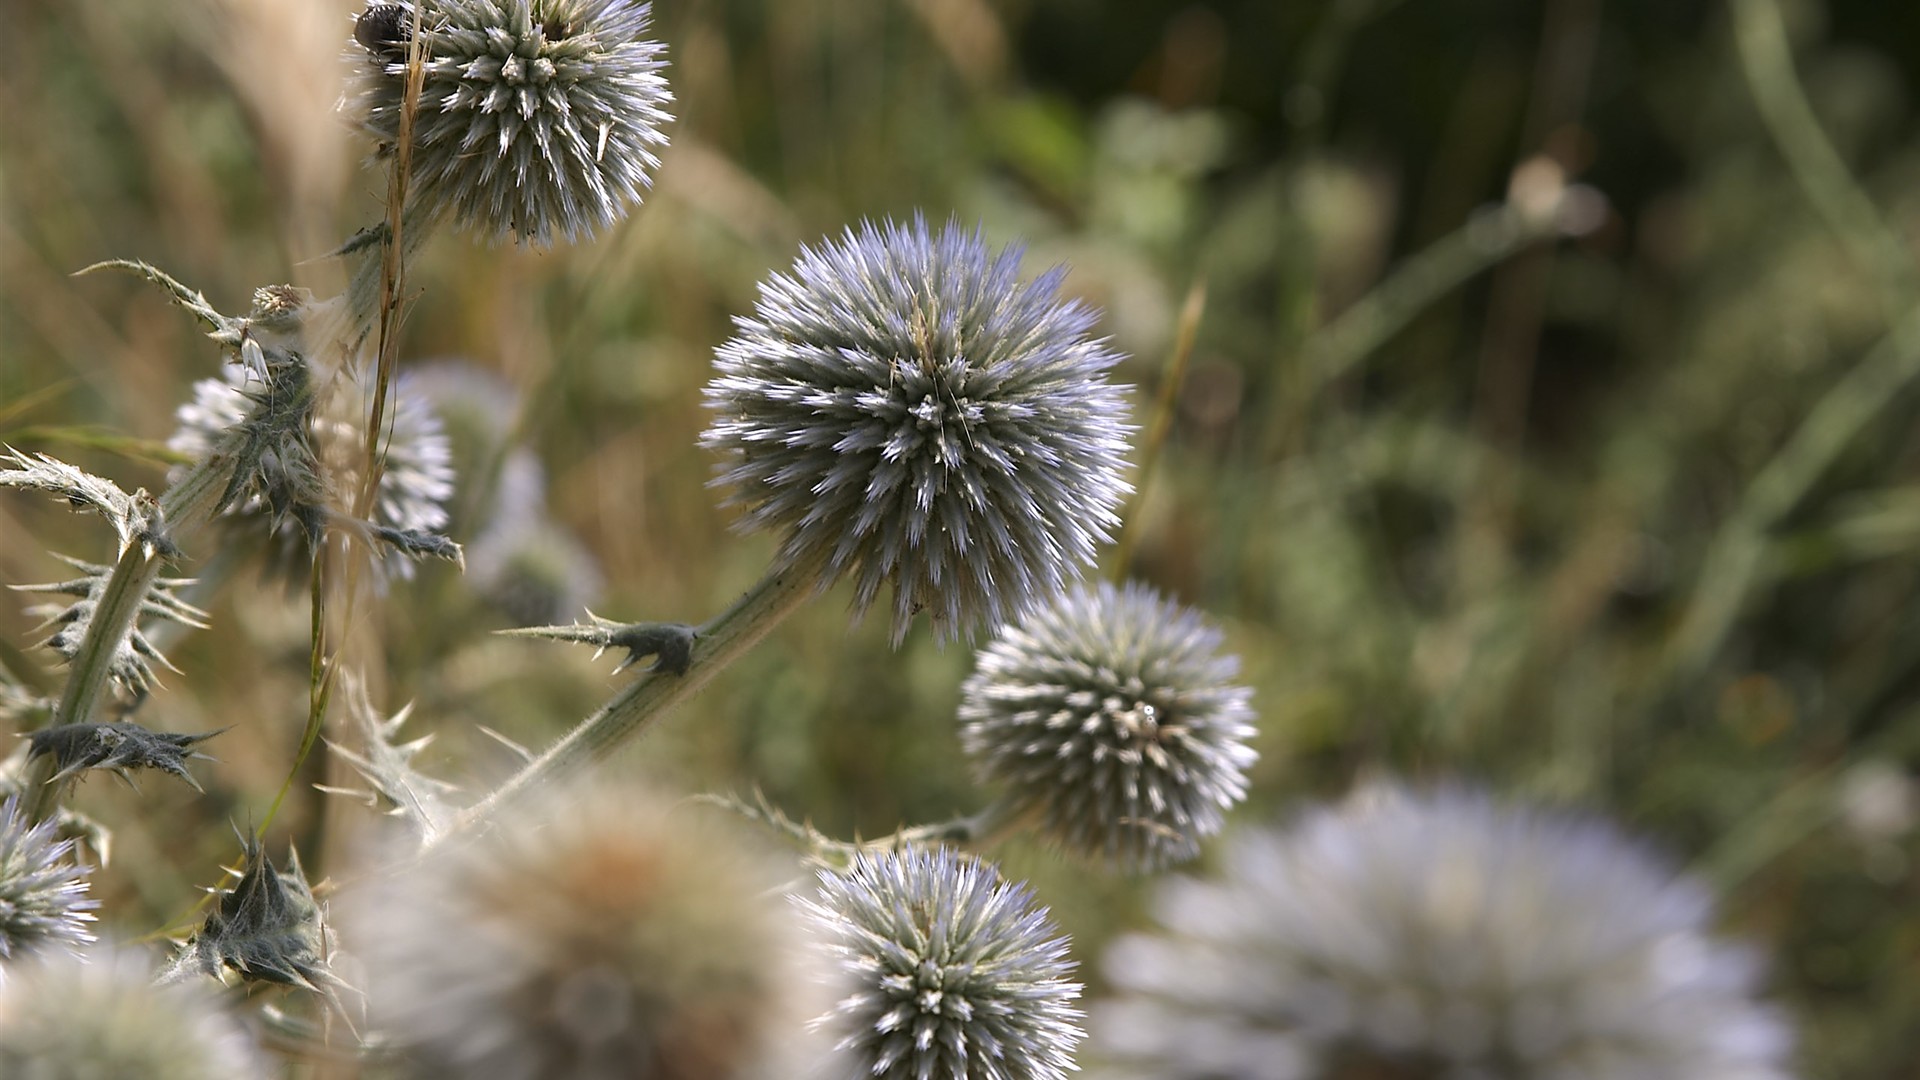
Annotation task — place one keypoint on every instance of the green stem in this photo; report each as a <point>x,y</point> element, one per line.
<point>1483,242</point>
<point>631,711</point>
<point>1736,554</point>
<point>1767,62</point>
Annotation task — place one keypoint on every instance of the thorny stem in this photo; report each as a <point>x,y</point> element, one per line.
<point>183,509</point>
<point>635,708</point>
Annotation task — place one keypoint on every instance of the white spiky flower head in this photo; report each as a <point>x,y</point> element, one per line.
<point>1440,935</point>
<point>43,891</point>
<point>590,938</point>
<point>1111,715</point>
<point>536,117</point>
<point>100,1014</point>
<point>905,408</point>
<point>947,971</point>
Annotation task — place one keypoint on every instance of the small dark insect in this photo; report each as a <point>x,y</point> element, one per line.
<point>384,31</point>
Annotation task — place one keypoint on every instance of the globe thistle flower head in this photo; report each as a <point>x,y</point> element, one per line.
<point>535,117</point>
<point>904,408</point>
<point>1439,935</point>
<point>947,971</point>
<point>1112,716</point>
<point>43,891</point>
<point>100,1014</point>
<point>595,939</point>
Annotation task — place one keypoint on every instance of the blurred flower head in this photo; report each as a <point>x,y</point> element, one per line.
<point>904,409</point>
<point>1437,935</point>
<point>591,938</point>
<point>527,563</point>
<point>1111,714</point>
<point>290,486</point>
<point>100,1014</point>
<point>43,891</point>
<point>536,117</point>
<point>946,971</point>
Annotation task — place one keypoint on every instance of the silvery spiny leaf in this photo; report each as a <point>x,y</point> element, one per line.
<point>670,644</point>
<point>416,544</point>
<point>388,765</point>
<point>120,746</point>
<point>128,514</point>
<point>134,660</point>
<point>267,928</point>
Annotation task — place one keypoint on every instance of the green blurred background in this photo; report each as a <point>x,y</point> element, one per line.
<point>1627,519</point>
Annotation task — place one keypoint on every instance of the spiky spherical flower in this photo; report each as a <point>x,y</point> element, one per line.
<point>43,891</point>
<point>947,971</point>
<point>1111,715</point>
<point>535,117</point>
<point>588,940</point>
<point>319,465</point>
<point>905,409</point>
<point>68,1017</point>
<point>1438,935</point>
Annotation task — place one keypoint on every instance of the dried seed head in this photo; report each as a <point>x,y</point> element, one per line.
<point>1440,935</point>
<point>266,928</point>
<point>100,1014</point>
<point>945,971</point>
<point>905,408</point>
<point>589,940</point>
<point>536,117</point>
<point>1112,715</point>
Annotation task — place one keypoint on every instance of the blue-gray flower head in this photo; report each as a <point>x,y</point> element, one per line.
<point>43,891</point>
<point>947,971</point>
<point>904,408</point>
<point>1440,935</point>
<point>1112,715</point>
<point>592,938</point>
<point>536,117</point>
<point>100,1014</point>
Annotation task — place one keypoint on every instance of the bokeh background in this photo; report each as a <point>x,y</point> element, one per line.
<point>1603,495</point>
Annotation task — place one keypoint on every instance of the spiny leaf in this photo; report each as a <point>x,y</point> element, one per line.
<point>120,746</point>
<point>670,644</point>
<point>81,489</point>
<point>388,765</point>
